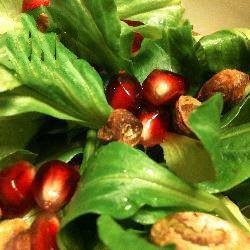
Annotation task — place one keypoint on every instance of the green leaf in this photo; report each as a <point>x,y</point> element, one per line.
<point>16,156</point>
<point>115,237</point>
<point>229,149</point>
<point>10,12</point>
<point>121,185</point>
<point>187,158</point>
<point>65,155</point>
<point>64,86</point>
<point>15,134</point>
<point>150,57</point>
<point>235,151</point>
<point>207,126</point>
<point>179,44</point>
<point>92,29</point>
<point>150,215</point>
<point>224,49</point>
<point>7,81</point>
<point>91,145</point>
<point>153,12</point>
<point>238,115</point>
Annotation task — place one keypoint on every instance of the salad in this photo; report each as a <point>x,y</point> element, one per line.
<point>121,128</point>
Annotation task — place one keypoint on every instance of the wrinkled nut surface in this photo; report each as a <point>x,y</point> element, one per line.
<point>121,126</point>
<point>183,107</point>
<point>20,242</point>
<point>10,229</point>
<point>198,231</point>
<point>42,22</point>
<point>233,85</point>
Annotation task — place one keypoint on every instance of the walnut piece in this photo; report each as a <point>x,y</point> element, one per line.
<point>233,84</point>
<point>20,242</point>
<point>183,107</point>
<point>42,22</point>
<point>10,229</point>
<point>121,126</point>
<point>198,231</point>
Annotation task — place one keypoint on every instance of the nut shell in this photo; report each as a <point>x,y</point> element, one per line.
<point>198,231</point>
<point>9,229</point>
<point>121,126</point>
<point>233,85</point>
<point>183,108</point>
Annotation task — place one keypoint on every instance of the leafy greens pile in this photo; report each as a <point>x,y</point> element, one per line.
<point>52,101</point>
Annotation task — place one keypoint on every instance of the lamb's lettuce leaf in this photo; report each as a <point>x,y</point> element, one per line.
<point>238,115</point>
<point>187,158</point>
<point>179,43</point>
<point>150,57</point>
<point>64,86</point>
<point>115,237</point>
<point>93,30</point>
<point>149,215</point>
<point>225,49</point>
<point>8,81</point>
<point>15,134</point>
<point>229,148</point>
<point>159,12</point>
<point>221,160</point>
<point>174,51</point>
<point>121,186</point>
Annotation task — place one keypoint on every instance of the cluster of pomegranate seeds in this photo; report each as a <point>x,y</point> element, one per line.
<point>51,187</point>
<point>33,4</point>
<point>148,101</point>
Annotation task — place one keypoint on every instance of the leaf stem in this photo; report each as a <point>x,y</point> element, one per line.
<point>90,147</point>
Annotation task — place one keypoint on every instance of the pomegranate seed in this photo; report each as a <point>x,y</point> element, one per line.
<point>163,87</point>
<point>136,45</point>
<point>44,231</point>
<point>124,92</point>
<point>155,126</point>
<point>138,38</point>
<point>15,189</point>
<point>54,185</point>
<point>132,23</point>
<point>33,4</point>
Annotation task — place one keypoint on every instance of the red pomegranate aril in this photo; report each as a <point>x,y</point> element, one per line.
<point>163,87</point>
<point>138,38</point>
<point>44,231</point>
<point>54,185</point>
<point>132,23</point>
<point>124,92</point>
<point>155,126</point>
<point>136,45</point>
<point>33,4</point>
<point>16,187</point>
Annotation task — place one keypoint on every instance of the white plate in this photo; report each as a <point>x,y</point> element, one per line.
<point>210,15</point>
